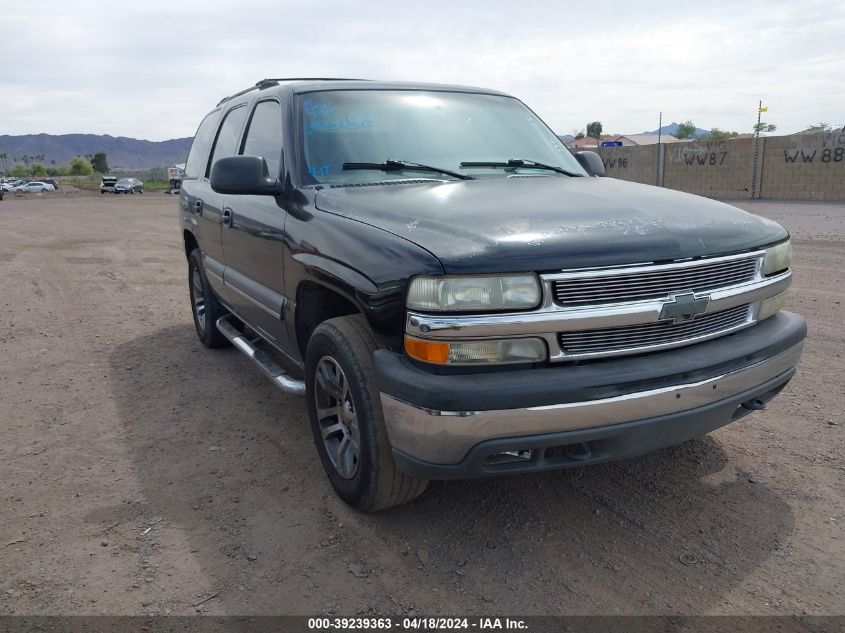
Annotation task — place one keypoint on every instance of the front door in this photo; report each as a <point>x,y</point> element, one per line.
<point>252,234</point>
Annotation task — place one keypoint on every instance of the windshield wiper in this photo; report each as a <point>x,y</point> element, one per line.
<point>520,162</point>
<point>402,165</point>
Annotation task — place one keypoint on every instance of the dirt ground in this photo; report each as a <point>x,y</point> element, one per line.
<point>141,473</point>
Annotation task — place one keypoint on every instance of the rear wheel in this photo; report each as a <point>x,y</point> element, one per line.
<point>205,307</point>
<point>347,420</point>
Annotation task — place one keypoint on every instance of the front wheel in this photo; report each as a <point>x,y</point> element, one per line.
<point>205,307</point>
<point>347,420</point>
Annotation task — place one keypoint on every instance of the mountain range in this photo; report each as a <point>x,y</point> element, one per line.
<point>122,153</point>
<point>672,128</point>
<point>129,154</point>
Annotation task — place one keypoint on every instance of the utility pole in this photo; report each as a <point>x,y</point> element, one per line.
<point>756,151</point>
<point>658,170</point>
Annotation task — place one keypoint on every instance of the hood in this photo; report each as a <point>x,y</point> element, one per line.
<point>551,222</point>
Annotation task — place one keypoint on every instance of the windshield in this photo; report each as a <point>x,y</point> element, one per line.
<point>440,129</point>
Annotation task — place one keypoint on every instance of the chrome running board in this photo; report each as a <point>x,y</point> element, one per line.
<point>264,362</point>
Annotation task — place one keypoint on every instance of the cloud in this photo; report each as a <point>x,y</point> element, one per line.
<point>153,69</point>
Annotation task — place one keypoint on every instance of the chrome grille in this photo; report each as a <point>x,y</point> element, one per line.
<point>652,282</point>
<point>631,339</point>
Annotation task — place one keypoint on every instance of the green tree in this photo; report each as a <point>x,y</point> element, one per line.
<point>685,130</point>
<point>594,130</point>
<point>37,170</point>
<point>99,163</point>
<point>719,135</point>
<point>762,126</point>
<point>80,167</point>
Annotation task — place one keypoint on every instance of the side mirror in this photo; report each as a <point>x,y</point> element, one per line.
<point>590,161</point>
<point>244,175</point>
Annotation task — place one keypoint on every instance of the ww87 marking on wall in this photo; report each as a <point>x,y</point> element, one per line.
<point>712,153</point>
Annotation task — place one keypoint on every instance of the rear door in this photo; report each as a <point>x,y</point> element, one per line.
<point>196,193</point>
<point>252,233</point>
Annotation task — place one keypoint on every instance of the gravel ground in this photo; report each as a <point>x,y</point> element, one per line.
<point>144,474</point>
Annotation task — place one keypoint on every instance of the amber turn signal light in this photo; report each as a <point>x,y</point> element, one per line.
<point>428,351</point>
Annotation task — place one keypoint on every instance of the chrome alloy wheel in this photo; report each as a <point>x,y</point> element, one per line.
<point>198,297</point>
<point>336,417</point>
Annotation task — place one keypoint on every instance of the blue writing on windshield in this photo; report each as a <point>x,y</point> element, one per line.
<point>319,109</point>
<point>331,125</point>
<point>322,170</point>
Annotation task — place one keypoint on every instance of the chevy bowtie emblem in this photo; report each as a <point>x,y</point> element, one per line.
<point>684,307</point>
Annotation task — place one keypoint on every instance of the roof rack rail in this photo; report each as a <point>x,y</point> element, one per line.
<point>267,83</point>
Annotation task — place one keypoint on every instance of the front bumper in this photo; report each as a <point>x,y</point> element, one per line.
<point>445,426</point>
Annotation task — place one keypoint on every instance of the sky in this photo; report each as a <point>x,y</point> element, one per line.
<point>153,69</point>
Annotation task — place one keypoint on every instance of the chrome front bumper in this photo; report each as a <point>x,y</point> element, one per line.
<point>439,437</point>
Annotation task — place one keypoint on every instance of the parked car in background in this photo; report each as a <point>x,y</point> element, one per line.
<point>35,186</point>
<point>107,184</point>
<point>11,183</point>
<point>129,185</point>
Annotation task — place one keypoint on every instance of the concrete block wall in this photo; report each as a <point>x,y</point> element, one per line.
<point>804,166</point>
<point>718,169</point>
<point>637,163</point>
<point>798,167</point>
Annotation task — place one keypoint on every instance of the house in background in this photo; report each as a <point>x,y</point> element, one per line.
<point>588,142</point>
<point>645,139</point>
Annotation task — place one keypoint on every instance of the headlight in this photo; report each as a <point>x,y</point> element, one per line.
<point>777,259</point>
<point>490,352</point>
<point>463,294</point>
<point>770,306</point>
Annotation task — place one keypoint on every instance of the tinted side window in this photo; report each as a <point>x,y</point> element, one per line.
<point>227,137</point>
<point>198,155</point>
<point>264,136</point>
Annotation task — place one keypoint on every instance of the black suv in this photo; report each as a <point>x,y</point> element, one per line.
<point>463,295</point>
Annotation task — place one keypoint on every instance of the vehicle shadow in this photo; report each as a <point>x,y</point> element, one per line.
<point>227,459</point>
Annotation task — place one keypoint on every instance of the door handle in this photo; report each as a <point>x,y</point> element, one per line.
<point>227,217</point>
<point>198,207</point>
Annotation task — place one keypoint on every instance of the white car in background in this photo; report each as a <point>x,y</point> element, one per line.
<point>34,187</point>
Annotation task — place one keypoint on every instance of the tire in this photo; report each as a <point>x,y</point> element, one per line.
<point>371,482</point>
<point>205,307</point>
